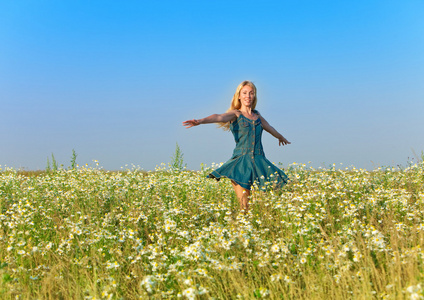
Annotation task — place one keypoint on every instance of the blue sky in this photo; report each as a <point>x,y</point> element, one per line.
<point>341,80</point>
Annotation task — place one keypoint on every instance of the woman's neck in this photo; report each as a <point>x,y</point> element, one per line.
<point>246,110</point>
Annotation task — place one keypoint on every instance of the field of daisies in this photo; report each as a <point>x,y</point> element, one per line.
<point>86,233</point>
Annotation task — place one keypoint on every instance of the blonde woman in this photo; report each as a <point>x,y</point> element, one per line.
<point>248,165</point>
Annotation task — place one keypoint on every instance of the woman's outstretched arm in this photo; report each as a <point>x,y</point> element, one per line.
<point>281,139</point>
<point>215,118</point>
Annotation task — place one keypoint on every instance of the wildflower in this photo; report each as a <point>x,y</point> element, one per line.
<point>275,248</point>
<point>169,225</point>
<point>287,279</point>
<point>276,277</point>
<point>202,290</point>
<point>184,234</point>
<point>190,293</point>
<point>337,278</point>
<point>113,265</point>
<point>202,272</point>
<point>355,257</point>
<point>148,283</point>
<point>415,292</point>
<point>264,292</point>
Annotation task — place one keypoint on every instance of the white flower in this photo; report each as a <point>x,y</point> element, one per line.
<point>148,283</point>
<point>287,279</point>
<point>275,248</point>
<point>202,290</point>
<point>264,292</point>
<point>184,234</point>
<point>276,277</point>
<point>113,265</point>
<point>190,293</point>
<point>49,246</point>
<point>169,225</point>
<point>415,291</point>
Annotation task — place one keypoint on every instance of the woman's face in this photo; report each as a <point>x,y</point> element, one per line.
<point>247,94</point>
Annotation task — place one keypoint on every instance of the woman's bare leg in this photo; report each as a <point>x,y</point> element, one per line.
<point>242,195</point>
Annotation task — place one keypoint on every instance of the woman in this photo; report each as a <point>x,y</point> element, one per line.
<point>248,164</point>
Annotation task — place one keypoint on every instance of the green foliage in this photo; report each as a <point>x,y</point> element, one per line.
<point>53,166</point>
<point>48,168</point>
<point>74,159</point>
<point>7,278</point>
<point>54,163</point>
<point>177,160</point>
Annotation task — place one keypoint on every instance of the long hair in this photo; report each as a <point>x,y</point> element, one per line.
<point>235,102</point>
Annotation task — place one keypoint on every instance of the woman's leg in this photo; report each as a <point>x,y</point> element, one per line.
<point>242,195</point>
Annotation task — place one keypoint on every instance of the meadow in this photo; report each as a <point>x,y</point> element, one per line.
<point>85,233</point>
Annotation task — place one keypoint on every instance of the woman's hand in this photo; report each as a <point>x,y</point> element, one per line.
<point>283,141</point>
<point>191,123</point>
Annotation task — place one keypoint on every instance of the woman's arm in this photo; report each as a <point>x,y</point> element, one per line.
<point>281,139</point>
<point>215,118</point>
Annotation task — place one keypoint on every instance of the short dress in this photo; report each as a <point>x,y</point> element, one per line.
<point>248,165</point>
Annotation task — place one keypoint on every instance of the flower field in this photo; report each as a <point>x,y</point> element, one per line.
<point>329,234</point>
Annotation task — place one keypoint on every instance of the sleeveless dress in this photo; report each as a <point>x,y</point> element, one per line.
<point>248,165</point>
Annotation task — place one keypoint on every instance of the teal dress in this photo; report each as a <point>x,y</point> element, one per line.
<point>248,165</point>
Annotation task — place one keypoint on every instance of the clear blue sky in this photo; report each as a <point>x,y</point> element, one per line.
<point>341,80</point>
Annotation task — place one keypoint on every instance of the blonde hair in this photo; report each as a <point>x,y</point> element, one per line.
<point>236,104</point>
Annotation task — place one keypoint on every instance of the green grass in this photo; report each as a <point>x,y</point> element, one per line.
<point>329,234</point>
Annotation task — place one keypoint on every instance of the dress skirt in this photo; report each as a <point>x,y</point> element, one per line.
<point>246,172</point>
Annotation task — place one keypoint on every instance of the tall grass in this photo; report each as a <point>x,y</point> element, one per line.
<point>329,234</point>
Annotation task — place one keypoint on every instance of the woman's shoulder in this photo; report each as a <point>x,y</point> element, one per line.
<point>256,112</point>
<point>236,112</point>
